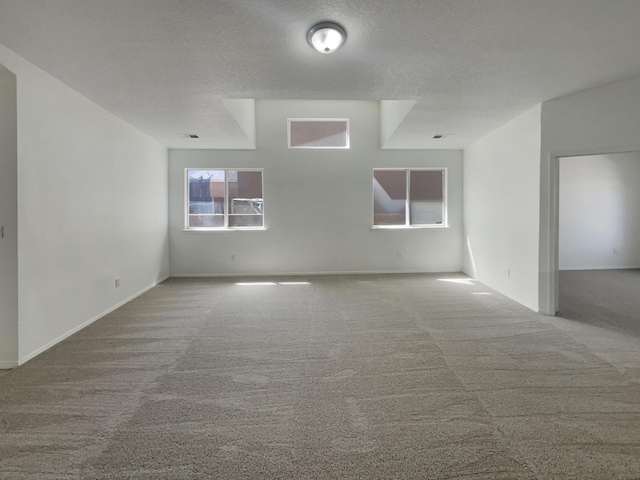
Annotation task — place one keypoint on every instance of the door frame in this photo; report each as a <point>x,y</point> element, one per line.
<point>550,225</point>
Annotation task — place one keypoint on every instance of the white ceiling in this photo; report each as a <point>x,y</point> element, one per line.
<point>165,66</point>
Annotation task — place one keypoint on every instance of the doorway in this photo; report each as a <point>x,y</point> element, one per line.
<point>599,240</point>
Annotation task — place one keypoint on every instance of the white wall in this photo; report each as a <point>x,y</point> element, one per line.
<point>596,121</point>
<point>92,207</point>
<point>501,208</point>
<point>318,203</point>
<point>599,211</point>
<point>9,221</point>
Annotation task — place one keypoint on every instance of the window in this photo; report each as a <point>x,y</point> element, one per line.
<point>223,199</point>
<point>318,132</point>
<point>409,198</point>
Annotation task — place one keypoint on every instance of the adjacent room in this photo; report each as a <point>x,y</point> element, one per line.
<point>284,239</point>
<point>599,251</point>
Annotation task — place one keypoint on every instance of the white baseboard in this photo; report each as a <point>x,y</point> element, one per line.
<point>306,274</point>
<point>512,297</point>
<point>38,351</point>
<point>8,365</point>
<point>612,267</point>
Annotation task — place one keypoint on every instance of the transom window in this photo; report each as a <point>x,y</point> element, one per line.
<point>318,132</point>
<point>409,198</point>
<point>224,199</point>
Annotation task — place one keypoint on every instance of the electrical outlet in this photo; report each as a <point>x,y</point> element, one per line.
<point>508,272</point>
<point>615,251</point>
<point>117,282</point>
<point>399,254</point>
<point>233,256</point>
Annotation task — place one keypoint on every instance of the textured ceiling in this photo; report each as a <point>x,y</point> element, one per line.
<point>470,65</point>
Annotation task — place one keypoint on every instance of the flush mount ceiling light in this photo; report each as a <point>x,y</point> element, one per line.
<point>326,37</point>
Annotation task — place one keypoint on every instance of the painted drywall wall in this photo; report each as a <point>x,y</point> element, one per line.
<point>392,113</point>
<point>599,211</point>
<point>596,121</point>
<point>501,207</point>
<point>8,221</point>
<point>318,203</point>
<point>92,208</point>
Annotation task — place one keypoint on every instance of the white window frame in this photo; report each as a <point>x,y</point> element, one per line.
<point>226,226</point>
<point>346,120</point>
<point>407,211</point>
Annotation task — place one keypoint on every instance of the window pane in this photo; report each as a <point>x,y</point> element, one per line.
<point>245,220</point>
<point>206,192</point>
<point>318,133</point>
<point>389,197</point>
<point>426,189</point>
<point>224,198</point>
<point>206,221</point>
<point>245,198</point>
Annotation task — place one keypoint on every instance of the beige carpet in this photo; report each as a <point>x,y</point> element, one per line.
<point>347,377</point>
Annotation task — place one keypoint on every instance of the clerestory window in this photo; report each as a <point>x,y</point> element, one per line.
<point>318,132</point>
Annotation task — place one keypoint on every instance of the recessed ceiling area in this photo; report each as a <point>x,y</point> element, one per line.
<point>466,68</point>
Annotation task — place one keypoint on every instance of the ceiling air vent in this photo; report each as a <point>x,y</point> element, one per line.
<point>188,135</point>
<point>442,135</point>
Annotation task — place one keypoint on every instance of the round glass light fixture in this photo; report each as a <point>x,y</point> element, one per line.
<point>326,37</point>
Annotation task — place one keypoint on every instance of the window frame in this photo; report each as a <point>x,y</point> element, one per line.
<point>227,214</point>
<point>407,213</point>
<point>311,147</point>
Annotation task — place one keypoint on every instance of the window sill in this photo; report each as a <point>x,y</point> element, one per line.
<point>408,227</point>
<point>236,229</point>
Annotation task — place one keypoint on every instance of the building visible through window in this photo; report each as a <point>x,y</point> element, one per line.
<point>223,198</point>
<point>407,198</point>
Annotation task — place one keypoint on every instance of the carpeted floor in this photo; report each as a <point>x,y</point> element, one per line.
<point>344,377</point>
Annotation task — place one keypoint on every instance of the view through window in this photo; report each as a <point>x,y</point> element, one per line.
<point>224,198</point>
<point>409,197</point>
